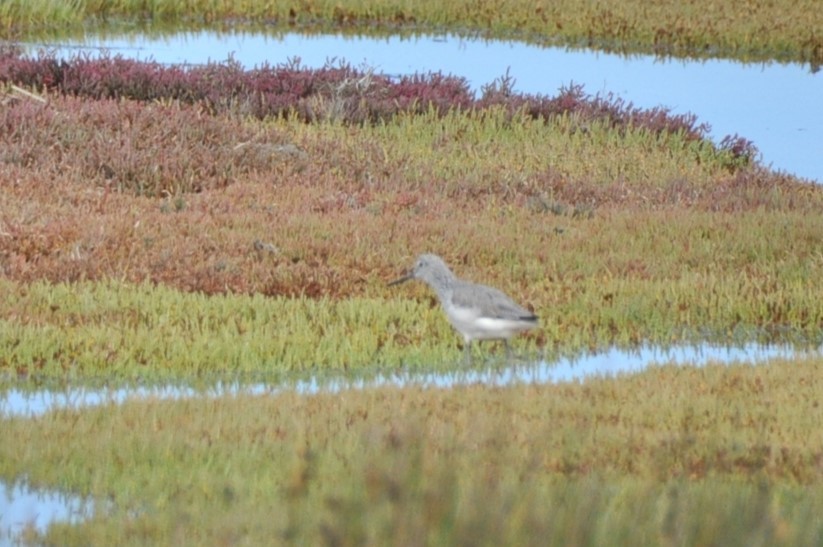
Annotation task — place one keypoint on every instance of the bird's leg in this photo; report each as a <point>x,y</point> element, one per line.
<point>467,352</point>
<point>508,351</point>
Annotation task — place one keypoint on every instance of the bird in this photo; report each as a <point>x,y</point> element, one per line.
<point>478,312</point>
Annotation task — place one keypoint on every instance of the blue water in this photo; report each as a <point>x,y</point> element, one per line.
<point>572,369</point>
<point>777,106</point>
<point>21,506</point>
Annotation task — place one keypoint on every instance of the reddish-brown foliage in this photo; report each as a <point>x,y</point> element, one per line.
<point>573,100</point>
<point>339,91</point>
<point>149,149</point>
<point>261,92</point>
<point>192,196</point>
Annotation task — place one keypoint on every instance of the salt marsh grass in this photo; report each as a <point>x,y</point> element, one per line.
<point>160,264</point>
<point>111,330</point>
<point>671,455</point>
<point>125,333</point>
<point>693,28</point>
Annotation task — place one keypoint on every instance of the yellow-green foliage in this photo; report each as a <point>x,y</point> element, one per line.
<point>110,330</point>
<point>483,152</point>
<point>610,276</point>
<point>710,281</point>
<point>763,30</point>
<point>613,237</point>
<point>675,455</point>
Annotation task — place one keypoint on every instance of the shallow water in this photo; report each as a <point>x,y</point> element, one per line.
<point>604,364</point>
<point>21,506</point>
<point>777,106</point>
<point>24,508</point>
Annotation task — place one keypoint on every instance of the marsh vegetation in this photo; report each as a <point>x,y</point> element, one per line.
<point>161,224</point>
<point>762,30</point>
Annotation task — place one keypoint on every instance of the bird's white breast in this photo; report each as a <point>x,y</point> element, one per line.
<point>474,326</point>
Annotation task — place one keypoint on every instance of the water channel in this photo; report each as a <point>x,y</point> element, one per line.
<point>777,106</point>
<point>608,363</point>
<point>22,506</point>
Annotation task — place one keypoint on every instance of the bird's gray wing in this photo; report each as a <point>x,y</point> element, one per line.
<point>489,302</point>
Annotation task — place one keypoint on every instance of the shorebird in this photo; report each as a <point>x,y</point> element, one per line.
<point>476,311</point>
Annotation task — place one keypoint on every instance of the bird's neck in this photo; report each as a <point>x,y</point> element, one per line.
<point>443,285</point>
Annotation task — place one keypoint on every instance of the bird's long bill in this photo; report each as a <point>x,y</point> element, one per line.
<point>401,280</point>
